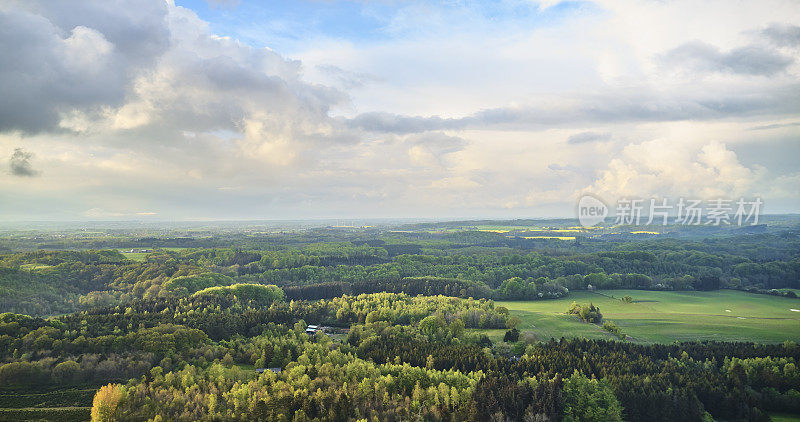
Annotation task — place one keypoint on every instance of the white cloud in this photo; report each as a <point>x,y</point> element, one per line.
<point>146,108</point>
<point>672,169</point>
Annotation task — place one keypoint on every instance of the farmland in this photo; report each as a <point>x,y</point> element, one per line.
<point>663,317</point>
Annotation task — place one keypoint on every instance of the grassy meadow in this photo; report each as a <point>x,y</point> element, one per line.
<point>784,417</point>
<point>664,317</point>
<point>136,256</point>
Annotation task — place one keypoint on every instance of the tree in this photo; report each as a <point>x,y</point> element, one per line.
<point>512,322</point>
<point>511,336</point>
<point>433,326</point>
<point>457,328</point>
<point>20,373</point>
<point>513,288</point>
<point>106,403</point>
<point>588,400</point>
<point>588,313</point>
<point>66,372</point>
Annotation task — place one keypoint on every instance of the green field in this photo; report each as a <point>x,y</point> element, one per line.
<point>136,256</point>
<point>664,317</point>
<point>142,256</point>
<point>784,417</point>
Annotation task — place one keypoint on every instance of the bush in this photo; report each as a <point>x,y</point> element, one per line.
<point>588,313</point>
<point>512,336</point>
<point>613,329</point>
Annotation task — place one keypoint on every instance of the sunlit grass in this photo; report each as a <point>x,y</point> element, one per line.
<point>784,417</point>
<point>136,256</point>
<point>664,317</point>
<point>33,267</point>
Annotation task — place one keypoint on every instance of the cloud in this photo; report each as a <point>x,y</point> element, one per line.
<point>152,109</point>
<point>393,123</point>
<point>147,98</point>
<point>154,71</point>
<point>785,186</point>
<point>457,183</point>
<point>783,35</point>
<point>748,60</point>
<point>544,4</point>
<point>20,163</point>
<point>72,56</point>
<point>604,107</point>
<point>431,149</point>
<point>344,78</point>
<point>669,169</point>
<point>774,126</point>
<point>588,137</point>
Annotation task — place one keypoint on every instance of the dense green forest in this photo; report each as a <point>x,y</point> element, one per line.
<point>402,357</point>
<point>46,282</point>
<point>217,329</point>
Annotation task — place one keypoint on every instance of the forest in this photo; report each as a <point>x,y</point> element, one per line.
<point>321,264</point>
<point>225,332</point>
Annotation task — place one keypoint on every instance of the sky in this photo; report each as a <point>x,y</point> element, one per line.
<point>238,109</point>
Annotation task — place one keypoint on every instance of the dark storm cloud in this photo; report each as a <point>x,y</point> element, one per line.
<point>20,163</point>
<point>748,60</point>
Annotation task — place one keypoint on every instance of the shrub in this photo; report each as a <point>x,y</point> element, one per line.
<point>512,336</point>
<point>588,313</point>
<point>613,329</point>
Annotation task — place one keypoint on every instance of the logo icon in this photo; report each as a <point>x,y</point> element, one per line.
<point>591,211</point>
